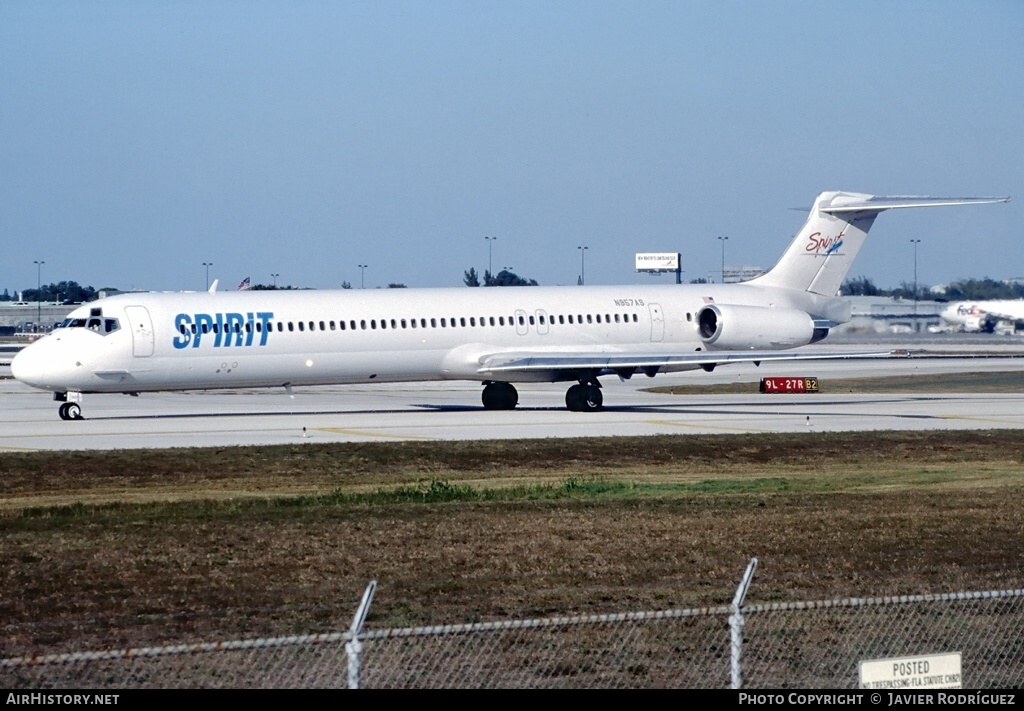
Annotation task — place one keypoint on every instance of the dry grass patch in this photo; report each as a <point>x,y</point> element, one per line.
<point>113,549</point>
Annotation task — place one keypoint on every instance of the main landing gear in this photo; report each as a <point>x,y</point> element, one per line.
<point>500,396</point>
<point>70,411</point>
<point>584,396</point>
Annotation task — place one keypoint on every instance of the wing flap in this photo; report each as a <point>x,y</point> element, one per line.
<point>618,362</point>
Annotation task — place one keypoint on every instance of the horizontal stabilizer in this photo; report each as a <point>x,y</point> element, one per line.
<point>820,256</point>
<point>851,203</point>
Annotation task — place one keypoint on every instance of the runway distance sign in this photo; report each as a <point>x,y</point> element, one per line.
<point>789,385</point>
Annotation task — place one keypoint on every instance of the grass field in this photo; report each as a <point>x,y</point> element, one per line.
<point>116,549</point>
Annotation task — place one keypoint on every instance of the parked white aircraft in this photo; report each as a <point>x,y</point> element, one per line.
<point>986,316</point>
<point>133,343</point>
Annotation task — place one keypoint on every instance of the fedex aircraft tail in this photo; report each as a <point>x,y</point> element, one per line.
<point>824,249</point>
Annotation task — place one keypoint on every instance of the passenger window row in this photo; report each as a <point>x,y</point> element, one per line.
<point>398,324</point>
<point>454,322</point>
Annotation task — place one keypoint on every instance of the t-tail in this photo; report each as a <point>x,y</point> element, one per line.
<point>820,257</point>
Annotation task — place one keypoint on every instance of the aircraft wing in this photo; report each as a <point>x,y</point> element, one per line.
<point>1001,315</point>
<point>626,364</point>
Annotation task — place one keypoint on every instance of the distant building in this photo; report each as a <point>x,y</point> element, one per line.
<point>733,275</point>
<point>30,317</point>
<point>886,314</point>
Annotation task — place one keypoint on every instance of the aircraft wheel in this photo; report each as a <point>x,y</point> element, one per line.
<point>584,398</point>
<point>500,396</point>
<point>573,397</point>
<point>593,400</point>
<point>74,412</point>
<point>63,411</point>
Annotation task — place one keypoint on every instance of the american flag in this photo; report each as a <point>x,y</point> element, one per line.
<point>244,285</point>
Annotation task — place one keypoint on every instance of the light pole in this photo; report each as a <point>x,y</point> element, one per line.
<point>490,245</point>
<point>39,291</point>
<point>915,242</point>
<point>583,264</point>
<point>362,275</point>
<point>275,276</point>
<point>722,240</point>
<point>207,265</point>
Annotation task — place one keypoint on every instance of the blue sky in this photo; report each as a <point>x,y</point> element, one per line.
<point>141,139</point>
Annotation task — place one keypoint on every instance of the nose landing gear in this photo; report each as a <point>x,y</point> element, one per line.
<point>70,411</point>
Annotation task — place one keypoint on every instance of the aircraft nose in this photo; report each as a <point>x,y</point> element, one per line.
<point>28,367</point>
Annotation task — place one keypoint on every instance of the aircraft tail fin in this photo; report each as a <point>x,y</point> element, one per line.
<point>823,251</point>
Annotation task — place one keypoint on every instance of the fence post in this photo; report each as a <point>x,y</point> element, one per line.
<point>353,648</point>
<point>736,625</point>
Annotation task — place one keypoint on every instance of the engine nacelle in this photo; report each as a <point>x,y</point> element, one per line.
<point>983,323</point>
<point>741,328</point>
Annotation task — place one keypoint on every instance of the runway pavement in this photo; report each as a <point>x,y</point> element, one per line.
<point>448,411</point>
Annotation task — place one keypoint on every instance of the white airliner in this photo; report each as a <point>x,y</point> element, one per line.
<point>133,343</point>
<point>985,316</point>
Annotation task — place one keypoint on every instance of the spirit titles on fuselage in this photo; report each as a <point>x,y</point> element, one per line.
<point>228,330</point>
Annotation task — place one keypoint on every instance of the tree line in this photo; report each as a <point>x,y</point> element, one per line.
<point>59,292</point>
<point>502,278</point>
<point>962,290</point>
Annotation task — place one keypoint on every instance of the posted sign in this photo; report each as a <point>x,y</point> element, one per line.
<point>937,671</point>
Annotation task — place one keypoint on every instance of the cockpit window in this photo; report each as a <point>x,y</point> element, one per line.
<point>93,323</point>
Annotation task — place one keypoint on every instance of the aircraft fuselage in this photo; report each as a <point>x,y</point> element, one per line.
<point>171,341</point>
<point>134,343</point>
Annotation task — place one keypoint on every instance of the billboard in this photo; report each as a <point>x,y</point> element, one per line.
<point>657,261</point>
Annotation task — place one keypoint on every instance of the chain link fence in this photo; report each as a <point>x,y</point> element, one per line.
<point>811,645</point>
<point>821,644</point>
